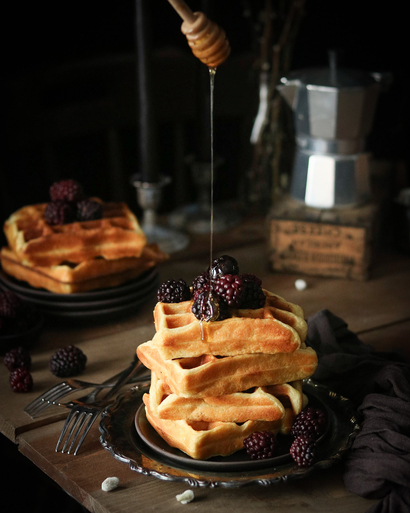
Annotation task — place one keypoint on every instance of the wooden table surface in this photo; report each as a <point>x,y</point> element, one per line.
<point>378,310</point>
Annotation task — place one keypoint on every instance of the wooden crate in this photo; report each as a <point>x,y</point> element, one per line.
<point>334,243</point>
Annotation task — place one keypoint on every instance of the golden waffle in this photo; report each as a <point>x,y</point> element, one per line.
<point>208,375</point>
<point>261,403</point>
<point>116,235</point>
<point>88,275</point>
<point>278,327</point>
<point>202,440</point>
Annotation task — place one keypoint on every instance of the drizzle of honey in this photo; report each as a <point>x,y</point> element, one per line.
<point>212,72</point>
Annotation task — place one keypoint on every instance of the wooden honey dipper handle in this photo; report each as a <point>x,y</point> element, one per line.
<point>183,10</point>
<point>207,41</point>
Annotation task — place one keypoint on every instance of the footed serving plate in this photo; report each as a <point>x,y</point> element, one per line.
<point>128,436</point>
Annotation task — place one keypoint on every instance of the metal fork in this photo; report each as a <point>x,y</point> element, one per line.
<point>84,412</point>
<point>59,391</point>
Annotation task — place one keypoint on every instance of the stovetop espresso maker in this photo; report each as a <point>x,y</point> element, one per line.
<point>333,114</point>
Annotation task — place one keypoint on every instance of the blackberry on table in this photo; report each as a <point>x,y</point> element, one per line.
<point>173,291</point>
<point>16,358</point>
<point>303,451</point>
<point>21,380</point>
<point>260,445</point>
<point>310,422</point>
<point>59,212</point>
<point>88,210</point>
<point>68,361</point>
<point>209,307</point>
<point>253,296</point>
<point>224,265</point>
<point>66,190</point>
<point>230,288</point>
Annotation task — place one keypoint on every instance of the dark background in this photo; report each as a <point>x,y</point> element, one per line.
<point>70,85</point>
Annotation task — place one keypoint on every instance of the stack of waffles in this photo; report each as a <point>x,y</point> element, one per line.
<point>215,383</point>
<point>78,256</point>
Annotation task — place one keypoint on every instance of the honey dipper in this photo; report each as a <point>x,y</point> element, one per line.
<point>207,40</point>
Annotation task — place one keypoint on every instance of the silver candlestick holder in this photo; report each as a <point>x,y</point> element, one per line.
<point>149,195</point>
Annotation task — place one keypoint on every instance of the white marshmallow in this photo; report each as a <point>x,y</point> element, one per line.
<point>300,284</point>
<point>109,484</point>
<point>185,497</point>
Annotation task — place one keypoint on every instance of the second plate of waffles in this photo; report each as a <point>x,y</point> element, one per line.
<point>77,253</point>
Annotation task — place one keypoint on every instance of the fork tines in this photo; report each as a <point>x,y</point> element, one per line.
<point>44,400</point>
<point>80,423</point>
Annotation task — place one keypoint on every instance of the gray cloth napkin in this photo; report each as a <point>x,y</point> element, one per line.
<point>378,383</point>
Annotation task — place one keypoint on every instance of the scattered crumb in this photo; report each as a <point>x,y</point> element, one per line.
<point>110,483</point>
<point>300,284</point>
<point>185,497</point>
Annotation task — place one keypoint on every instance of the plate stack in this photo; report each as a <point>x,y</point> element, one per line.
<point>103,304</point>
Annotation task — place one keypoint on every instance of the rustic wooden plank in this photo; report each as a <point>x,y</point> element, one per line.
<point>105,357</point>
<point>81,476</point>
<point>377,309</point>
<point>378,302</point>
<point>394,337</point>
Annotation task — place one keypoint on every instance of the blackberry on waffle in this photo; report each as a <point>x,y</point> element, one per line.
<point>35,242</point>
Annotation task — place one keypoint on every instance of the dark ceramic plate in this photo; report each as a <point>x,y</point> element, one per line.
<point>147,453</point>
<point>102,314</point>
<point>143,290</point>
<point>239,461</point>
<point>25,290</point>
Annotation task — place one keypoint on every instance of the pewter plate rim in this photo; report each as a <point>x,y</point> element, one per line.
<point>119,436</point>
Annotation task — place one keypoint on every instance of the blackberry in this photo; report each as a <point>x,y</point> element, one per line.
<point>68,361</point>
<point>230,288</point>
<point>201,282</point>
<point>223,265</point>
<point>21,380</point>
<point>10,304</point>
<point>310,422</point>
<point>16,358</point>
<point>248,277</point>
<point>66,190</point>
<point>59,212</point>
<point>173,291</point>
<point>205,288</point>
<point>88,210</point>
<point>303,451</point>
<point>253,296</point>
<point>209,307</point>
<point>260,445</point>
